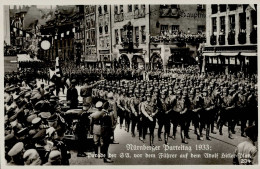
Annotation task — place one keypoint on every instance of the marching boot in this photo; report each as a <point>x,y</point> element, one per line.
<point>96,151</point>
<point>183,138</point>
<point>166,139</point>
<point>207,134</point>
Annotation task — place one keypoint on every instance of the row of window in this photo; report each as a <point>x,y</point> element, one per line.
<point>130,8</point>
<point>131,35</point>
<point>232,22</point>
<point>172,29</point>
<point>223,8</point>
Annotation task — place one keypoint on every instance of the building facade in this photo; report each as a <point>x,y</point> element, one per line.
<point>231,38</point>
<point>130,34</point>
<point>175,34</point>
<point>79,35</point>
<point>91,59</point>
<point>104,46</point>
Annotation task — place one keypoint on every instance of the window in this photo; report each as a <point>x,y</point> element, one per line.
<point>121,9</point>
<point>214,25</point>
<point>254,18</point>
<point>116,36</point>
<point>136,7</point>
<point>222,8</point>
<point>100,10</point>
<point>232,7</point>
<point>232,22</point>
<point>201,29</point>
<point>222,24</point>
<point>201,7</point>
<point>101,42</point>
<point>164,28</point>
<point>143,34</point>
<point>116,9</point>
<point>143,6</point>
<point>105,8</point>
<point>175,28</point>
<point>130,8</point>
<point>122,35</point>
<point>137,34</point>
<point>242,21</point>
<point>214,9</point>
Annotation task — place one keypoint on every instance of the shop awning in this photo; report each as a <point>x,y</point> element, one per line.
<point>229,54</point>
<point>211,54</point>
<point>248,54</point>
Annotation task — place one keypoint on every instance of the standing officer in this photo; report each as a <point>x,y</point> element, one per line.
<point>96,121</point>
<point>107,127</point>
<point>112,109</point>
<point>86,91</point>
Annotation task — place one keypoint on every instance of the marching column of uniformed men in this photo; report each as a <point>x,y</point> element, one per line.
<point>208,102</point>
<point>35,123</point>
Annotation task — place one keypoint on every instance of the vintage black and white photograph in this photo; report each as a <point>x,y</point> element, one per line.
<point>130,84</point>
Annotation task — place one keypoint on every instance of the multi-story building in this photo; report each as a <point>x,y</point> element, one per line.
<point>231,38</point>
<point>104,47</point>
<point>59,31</point>
<point>79,34</point>
<point>130,34</point>
<point>175,34</point>
<point>17,15</point>
<point>91,59</point>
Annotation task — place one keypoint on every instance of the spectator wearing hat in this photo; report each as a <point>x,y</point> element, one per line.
<point>16,153</point>
<point>246,151</point>
<point>61,146</point>
<point>54,158</point>
<point>31,157</point>
<point>72,95</point>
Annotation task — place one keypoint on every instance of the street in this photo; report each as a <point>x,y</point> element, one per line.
<point>221,145</point>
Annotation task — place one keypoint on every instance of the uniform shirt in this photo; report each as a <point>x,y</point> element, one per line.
<point>180,105</point>
<point>147,108</point>
<point>246,152</point>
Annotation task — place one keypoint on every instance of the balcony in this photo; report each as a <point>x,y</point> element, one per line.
<point>119,17</point>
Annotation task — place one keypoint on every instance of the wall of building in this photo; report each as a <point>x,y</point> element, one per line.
<point>104,34</point>
<point>226,14</point>
<point>137,20</point>
<point>189,17</point>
